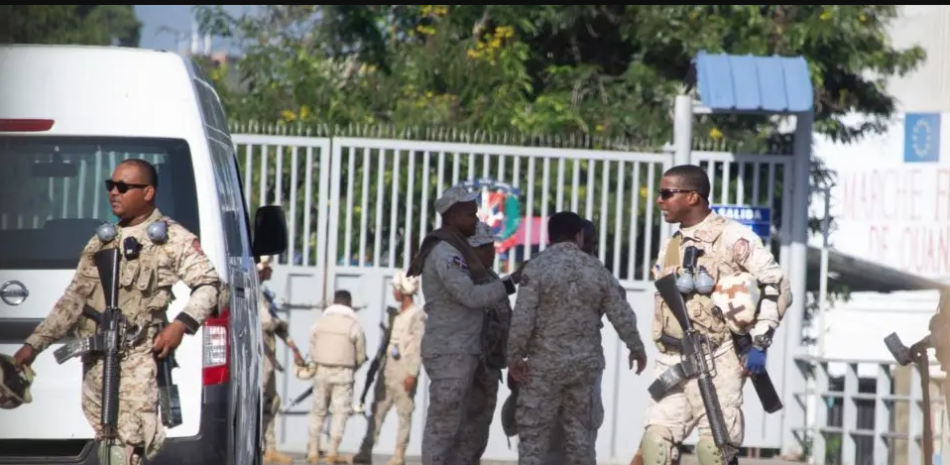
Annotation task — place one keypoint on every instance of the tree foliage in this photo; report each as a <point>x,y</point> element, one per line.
<point>593,69</point>
<point>608,71</point>
<point>70,24</point>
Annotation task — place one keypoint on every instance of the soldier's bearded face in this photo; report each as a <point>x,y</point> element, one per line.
<point>673,199</point>
<point>133,202</point>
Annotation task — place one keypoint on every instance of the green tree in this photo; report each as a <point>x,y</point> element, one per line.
<point>70,24</point>
<point>597,72</point>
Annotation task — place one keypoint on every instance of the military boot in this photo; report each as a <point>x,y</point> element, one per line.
<point>333,455</point>
<point>399,457</point>
<point>272,456</point>
<point>313,454</point>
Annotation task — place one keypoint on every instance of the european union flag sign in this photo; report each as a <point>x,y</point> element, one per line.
<point>758,219</point>
<point>921,137</point>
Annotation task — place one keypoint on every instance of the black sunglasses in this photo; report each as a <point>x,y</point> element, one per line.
<point>666,194</point>
<point>122,186</point>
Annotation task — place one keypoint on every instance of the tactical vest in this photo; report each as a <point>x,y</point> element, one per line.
<point>331,344</point>
<point>145,283</point>
<point>718,261</point>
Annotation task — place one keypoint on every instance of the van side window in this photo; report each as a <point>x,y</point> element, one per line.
<point>53,196</point>
<point>231,207</point>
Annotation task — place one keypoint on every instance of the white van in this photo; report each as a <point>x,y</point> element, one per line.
<point>68,115</point>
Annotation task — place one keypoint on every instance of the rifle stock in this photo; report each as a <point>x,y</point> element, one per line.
<point>696,349</point>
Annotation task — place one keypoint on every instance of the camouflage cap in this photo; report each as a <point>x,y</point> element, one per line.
<point>453,195</point>
<point>482,236</point>
<point>14,384</point>
<point>737,297</point>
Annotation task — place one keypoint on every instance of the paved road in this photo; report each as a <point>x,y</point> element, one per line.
<point>686,460</point>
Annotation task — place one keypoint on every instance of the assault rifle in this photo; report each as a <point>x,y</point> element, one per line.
<point>380,354</point>
<point>113,336</point>
<point>698,361</point>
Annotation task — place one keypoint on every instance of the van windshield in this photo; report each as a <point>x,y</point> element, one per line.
<point>53,196</point>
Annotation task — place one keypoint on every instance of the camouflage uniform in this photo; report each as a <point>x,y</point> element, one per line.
<point>272,328</point>
<point>556,327</point>
<point>727,247</point>
<point>144,295</point>
<point>338,347</point>
<point>451,347</point>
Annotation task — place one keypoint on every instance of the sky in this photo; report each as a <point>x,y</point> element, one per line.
<point>161,22</point>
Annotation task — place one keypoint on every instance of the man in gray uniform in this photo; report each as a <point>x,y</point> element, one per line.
<point>457,289</point>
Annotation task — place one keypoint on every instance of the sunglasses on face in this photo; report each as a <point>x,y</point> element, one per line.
<point>666,194</point>
<point>122,186</point>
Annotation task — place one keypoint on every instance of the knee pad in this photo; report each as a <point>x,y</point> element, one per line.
<point>708,453</point>
<point>655,447</point>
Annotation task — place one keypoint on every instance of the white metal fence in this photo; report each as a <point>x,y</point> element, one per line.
<point>359,207</point>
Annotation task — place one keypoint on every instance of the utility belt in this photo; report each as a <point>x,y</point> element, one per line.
<point>134,336</point>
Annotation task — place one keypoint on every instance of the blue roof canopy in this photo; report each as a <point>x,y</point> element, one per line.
<point>746,83</point>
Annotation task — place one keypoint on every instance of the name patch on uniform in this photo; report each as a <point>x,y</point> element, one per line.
<point>741,251</point>
<point>460,262</point>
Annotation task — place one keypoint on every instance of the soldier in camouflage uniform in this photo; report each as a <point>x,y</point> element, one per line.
<point>483,395</point>
<point>554,348</point>
<point>168,253</point>
<point>458,289</point>
<point>400,371</point>
<point>726,248</point>
<point>557,453</point>
<point>272,327</point>
<point>338,348</point>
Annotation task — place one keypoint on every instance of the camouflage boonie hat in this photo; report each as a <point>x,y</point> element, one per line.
<point>14,384</point>
<point>737,297</point>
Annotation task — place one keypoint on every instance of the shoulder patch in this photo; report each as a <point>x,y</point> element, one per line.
<point>459,262</point>
<point>741,251</point>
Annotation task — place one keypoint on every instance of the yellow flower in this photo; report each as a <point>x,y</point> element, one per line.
<point>715,133</point>
<point>304,112</point>
<point>288,116</point>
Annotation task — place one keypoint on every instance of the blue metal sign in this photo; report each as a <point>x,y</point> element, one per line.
<point>758,219</point>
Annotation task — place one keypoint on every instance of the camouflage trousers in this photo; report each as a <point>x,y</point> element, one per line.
<point>462,397</point>
<point>271,407</point>
<point>557,452</point>
<point>479,412</point>
<point>139,427</point>
<point>389,392</point>
<point>549,398</point>
<point>332,393</point>
<point>677,413</point>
